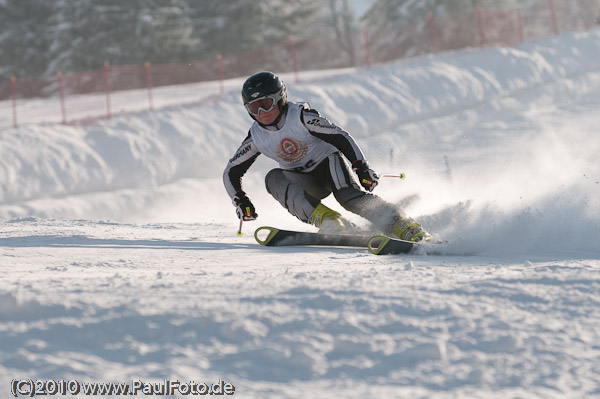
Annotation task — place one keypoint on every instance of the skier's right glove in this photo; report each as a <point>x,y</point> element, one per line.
<point>366,176</point>
<point>243,207</point>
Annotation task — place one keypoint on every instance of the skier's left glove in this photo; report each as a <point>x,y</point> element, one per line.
<point>243,207</point>
<point>366,176</point>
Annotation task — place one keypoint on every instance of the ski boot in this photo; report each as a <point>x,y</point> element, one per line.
<point>328,221</point>
<point>409,230</point>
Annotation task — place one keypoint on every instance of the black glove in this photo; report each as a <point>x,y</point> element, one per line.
<point>366,177</point>
<point>243,207</point>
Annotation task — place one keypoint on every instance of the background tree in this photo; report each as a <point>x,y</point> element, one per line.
<point>345,27</point>
<point>23,38</point>
<point>40,37</point>
<point>401,30</point>
<point>233,26</point>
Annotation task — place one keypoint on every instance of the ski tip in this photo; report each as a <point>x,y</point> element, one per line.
<point>271,231</point>
<point>377,243</point>
<point>383,245</point>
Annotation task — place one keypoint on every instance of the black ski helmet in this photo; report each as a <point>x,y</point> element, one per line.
<point>263,84</point>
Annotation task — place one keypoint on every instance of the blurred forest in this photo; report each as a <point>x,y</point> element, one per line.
<point>42,37</point>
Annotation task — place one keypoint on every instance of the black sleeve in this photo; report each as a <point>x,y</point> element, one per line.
<point>327,131</point>
<point>239,164</point>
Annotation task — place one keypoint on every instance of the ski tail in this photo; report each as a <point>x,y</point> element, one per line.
<point>273,237</point>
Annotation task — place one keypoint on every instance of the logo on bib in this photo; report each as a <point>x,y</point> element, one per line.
<point>291,150</point>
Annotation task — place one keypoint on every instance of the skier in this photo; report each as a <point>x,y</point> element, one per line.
<point>309,149</point>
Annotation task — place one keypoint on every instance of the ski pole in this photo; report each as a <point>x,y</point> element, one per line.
<point>239,232</point>
<point>401,176</point>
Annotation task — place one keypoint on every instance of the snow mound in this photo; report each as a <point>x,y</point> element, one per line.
<point>499,148</point>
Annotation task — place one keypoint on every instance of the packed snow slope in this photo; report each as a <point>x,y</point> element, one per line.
<point>119,260</point>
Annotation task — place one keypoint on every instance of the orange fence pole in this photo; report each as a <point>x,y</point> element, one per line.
<point>519,21</point>
<point>432,33</point>
<point>480,25</point>
<point>61,95</point>
<point>107,87</point>
<point>13,96</point>
<point>149,84</point>
<point>552,7</point>
<point>220,74</point>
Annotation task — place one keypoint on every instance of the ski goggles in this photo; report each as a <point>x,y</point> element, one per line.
<point>266,103</point>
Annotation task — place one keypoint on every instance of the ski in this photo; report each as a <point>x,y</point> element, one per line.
<point>278,238</point>
<point>383,245</point>
<point>377,245</point>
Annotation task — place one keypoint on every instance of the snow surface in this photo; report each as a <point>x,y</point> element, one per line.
<point>119,260</point>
